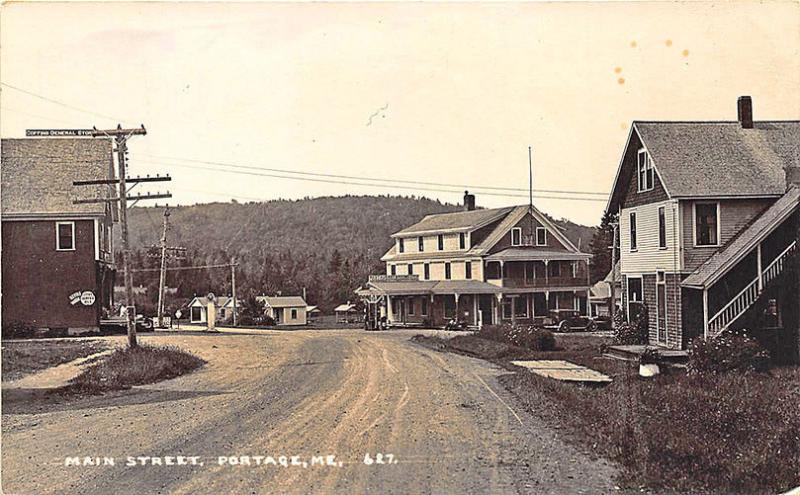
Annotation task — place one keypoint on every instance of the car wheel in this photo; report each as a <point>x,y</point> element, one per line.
<point>592,327</point>
<point>563,327</point>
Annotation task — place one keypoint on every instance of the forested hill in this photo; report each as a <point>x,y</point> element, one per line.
<point>328,245</point>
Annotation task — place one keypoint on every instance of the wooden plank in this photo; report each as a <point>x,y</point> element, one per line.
<point>563,371</point>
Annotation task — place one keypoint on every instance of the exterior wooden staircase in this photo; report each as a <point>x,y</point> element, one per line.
<point>740,303</point>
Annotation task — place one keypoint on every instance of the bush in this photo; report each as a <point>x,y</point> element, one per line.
<point>528,337</point>
<point>727,352</point>
<point>634,333</point>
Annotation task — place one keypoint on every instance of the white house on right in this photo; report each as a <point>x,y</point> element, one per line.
<point>708,222</point>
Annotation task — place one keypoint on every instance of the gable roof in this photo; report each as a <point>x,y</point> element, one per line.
<point>517,214</point>
<point>743,243</point>
<point>460,221</point>
<point>715,159</point>
<point>283,301</point>
<point>37,175</point>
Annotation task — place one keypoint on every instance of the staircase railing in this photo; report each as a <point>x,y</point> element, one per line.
<point>742,301</point>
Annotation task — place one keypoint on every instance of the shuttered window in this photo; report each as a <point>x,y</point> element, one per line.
<point>633,231</point>
<point>662,228</point>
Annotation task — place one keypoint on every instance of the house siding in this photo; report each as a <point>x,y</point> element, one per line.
<point>38,280</point>
<point>529,224</point>
<point>734,215</point>
<point>648,256</point>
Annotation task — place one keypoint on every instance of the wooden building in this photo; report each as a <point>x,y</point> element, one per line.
<point>708,216</point>
<point>480,266</point>
<point>57,257</point>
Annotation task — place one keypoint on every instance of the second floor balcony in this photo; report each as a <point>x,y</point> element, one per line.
<point>538,274</point>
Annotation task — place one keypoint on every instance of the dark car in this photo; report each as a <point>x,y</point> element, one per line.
<point>568,320</point>
<point>604,322</point>
<point>144,324</point>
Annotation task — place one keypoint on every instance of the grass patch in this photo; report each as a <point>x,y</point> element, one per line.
<point>127,367</point>
<point>730,433</point>
<point>24,358</point>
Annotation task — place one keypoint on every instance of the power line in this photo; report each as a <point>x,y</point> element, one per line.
<point>177,268</point>
<point>61,103</point>
<point>372,179</point>
<point>389,186</point>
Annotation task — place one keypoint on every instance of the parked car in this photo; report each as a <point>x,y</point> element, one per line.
<point>604,322</point>
<point>144,324</point>
<point>568,320</point>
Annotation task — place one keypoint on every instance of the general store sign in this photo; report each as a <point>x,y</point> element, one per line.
<point>58,132</point>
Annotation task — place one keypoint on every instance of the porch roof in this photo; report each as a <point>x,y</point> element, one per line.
<point>740,246</point>
<point>531,254</point>
<point>425,287</point>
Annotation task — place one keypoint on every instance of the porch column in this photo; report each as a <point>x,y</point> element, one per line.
<point>496,301</point>
<point>458,311</point>
<point>546,274</point>
<point>475,315</point>
<point>502,274</point>
<point>760,270</point>
<point>389,309</point>
<point>705,313</point>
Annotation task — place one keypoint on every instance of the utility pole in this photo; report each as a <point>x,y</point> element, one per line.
<point>163,276</point>
<point>233,290</point>
<point>121,137</point>
<point>613,288</point>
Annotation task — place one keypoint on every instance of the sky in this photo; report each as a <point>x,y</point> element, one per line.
<point>448,94</point>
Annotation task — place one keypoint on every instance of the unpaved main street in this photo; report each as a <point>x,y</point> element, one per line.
<point>450,427</point>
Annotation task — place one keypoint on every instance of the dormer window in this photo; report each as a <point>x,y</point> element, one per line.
<point>646,171</point>
<point>541,236</point>
<point>462,240</point>
<point>420,244</point>
<point>400,247</point>
<point>516,236</point>
<point>440,241</point>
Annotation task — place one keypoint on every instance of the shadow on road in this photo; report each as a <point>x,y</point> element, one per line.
<point>33,401</point>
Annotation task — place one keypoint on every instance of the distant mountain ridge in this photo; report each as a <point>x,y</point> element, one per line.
<point>329,245</point>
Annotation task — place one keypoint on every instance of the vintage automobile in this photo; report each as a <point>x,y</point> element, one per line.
<point>568,320</point>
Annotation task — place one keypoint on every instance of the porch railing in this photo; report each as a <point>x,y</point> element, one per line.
<point>742,301</point>
<point>540,282</point>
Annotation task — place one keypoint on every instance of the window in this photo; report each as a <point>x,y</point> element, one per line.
<point>555,268</point>
<point>541,236</point>
<point>411,307</point>
<point>646,171</point>
<point>706,224</point>
<point>633,231</point>
<point>423,307</point>
<point>65,236</point>
<point>440,241</point>
<point>393,269</point>
<point>468,270</point>
<point>400,245</point>
<point>462,241</point>
<point>294,314</point>
<point>516,236</point>
<point>410,269</point>
<point>420,244</point>
<point>447,271</point>
<point>662,228</point>
<point>427,270</point>
<point>506,308</point>
<point>521,307</point>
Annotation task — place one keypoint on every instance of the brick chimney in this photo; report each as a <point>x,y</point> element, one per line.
<point>469,201</point>
<point>745,110</point>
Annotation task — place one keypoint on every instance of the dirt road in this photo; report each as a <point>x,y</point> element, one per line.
<point>448,426</point>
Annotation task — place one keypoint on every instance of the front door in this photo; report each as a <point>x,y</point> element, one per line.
<point>485,303</point>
